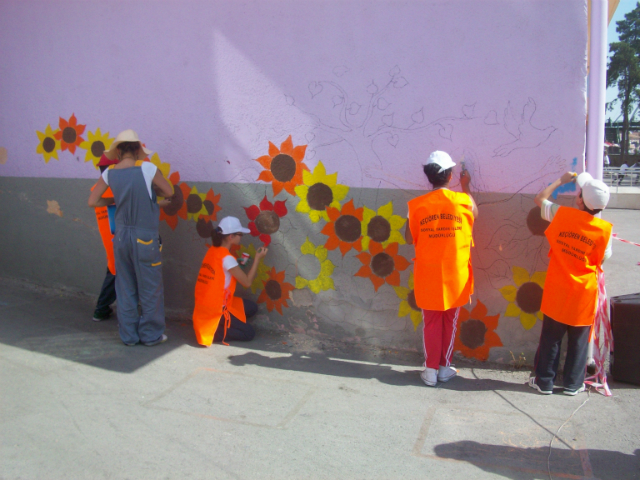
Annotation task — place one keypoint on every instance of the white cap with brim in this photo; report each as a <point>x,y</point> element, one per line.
<point>126,136</point>
<point>442,159</point>
<point>229,225</point>
<point>595,193</point>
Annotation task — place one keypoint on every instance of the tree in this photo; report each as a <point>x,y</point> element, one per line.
<point>624,69</point>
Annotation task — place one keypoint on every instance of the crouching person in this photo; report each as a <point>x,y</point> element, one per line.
<point>579,243</point>
<point>218,315</point>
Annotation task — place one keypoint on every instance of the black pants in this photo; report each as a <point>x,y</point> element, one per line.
<point>107,294</point>
<point>548,354</point>
<point>238,331</point>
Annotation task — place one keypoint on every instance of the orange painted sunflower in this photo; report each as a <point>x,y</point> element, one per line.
<point>344,229</point>
<point>178,206</point>
<point>382,265</point>
<point>283,167</point>
<point>476,332</point>
<point>69,134</point>
<point>276,291</point>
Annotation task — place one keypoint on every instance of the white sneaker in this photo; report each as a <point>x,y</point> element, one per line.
<point>446,373</point>
<point>429,376</point>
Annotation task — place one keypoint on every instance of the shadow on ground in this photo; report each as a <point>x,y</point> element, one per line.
<point>531,463</point>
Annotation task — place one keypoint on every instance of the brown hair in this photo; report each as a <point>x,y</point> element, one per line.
<point>217,237</point>
<point>129,147</point>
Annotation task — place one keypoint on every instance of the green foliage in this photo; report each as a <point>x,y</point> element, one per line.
<point>623,70</point>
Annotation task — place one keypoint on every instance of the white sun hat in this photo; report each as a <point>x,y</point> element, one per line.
<point>595,193</point>
<point>126,136</point>
<point>229,225</point>
<point>441,159</point>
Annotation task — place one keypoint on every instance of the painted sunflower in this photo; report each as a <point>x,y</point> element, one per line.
<point>95,145</point>
<point>195,204</point>
<point>211,205</point>
<point>164,167</point>
<point>476,332</point>
<point>49,145</point>
<point>69,133</point>
<point>276,291</point>
<point>263,271</point>
<point>265,219</point>
<point>319,192</point>
<point>344,229</point>
<point>408,304</point>
<point>323,281</point>
<point>382,226</point>
<point>382,265</point>
<point>525,297</point>
<point>178,206</point>
<point>283,167</point>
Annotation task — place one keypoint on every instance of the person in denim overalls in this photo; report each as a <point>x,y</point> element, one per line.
<point>137,242</point>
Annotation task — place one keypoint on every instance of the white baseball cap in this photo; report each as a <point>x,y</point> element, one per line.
<point>441,159</point>
<point>595,194</point>
<point>230,225</point>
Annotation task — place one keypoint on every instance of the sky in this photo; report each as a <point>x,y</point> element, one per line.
<point>624,7</point>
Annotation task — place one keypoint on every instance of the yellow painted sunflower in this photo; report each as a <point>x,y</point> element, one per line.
<point>195,205</point>
<point>382,226</point>
<point>164,167</point>
<point>318,192</point>
<point>95,145</point>
<point>525,297</point>
<point>323,281</point>
<point>408,304</point>
<point>49,145</point>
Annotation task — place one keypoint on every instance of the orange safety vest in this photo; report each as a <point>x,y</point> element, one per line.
<point>213,301</point>
<point>578,241</point>
<point>441,226</point>
<point>102,216</point>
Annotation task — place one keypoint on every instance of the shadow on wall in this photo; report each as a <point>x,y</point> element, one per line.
<point>516,463</point>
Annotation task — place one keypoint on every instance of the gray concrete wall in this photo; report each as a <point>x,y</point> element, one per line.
<point>50,237</point>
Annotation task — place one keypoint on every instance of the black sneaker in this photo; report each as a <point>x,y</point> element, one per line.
<point>100,316</point>
<point>576,391</point>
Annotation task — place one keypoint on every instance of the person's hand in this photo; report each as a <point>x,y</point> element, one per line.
<point>568,177</point>
<point>165,202</point>
<point>261,252</point>
<point>465,179</point>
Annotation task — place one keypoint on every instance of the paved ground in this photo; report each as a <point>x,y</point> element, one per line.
<point>75,403</point>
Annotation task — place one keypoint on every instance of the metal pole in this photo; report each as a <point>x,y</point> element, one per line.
<point>597,87</point>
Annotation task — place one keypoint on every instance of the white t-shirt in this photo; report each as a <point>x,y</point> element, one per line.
<point>549,210</point>
<point>228,263</point>
<point>623,167</point>
<point>148,172</point>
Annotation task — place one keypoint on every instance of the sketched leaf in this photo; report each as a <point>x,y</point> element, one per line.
<point>394,71</point>
<point>315,88</point>
<point>340,71</point>
<point>400,82</point>
<point>372,89</point>
<point>387,119</point>
<point>354,108</point>
<point>418,116</point>
<point>337,100</point>
<point>382,103</point>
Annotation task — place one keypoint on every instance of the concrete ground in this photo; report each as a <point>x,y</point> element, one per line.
<point>75,403</point>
